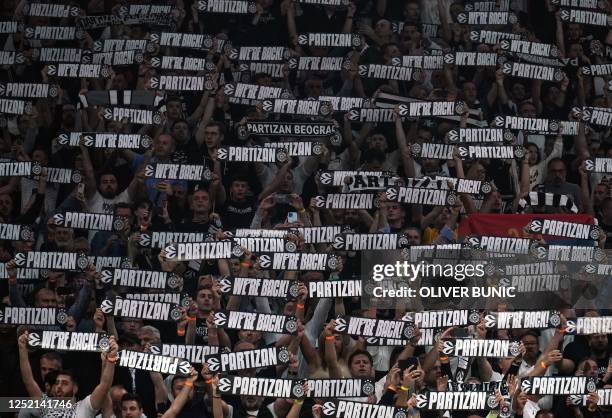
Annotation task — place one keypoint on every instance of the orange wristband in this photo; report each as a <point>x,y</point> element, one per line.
<point>245,264</point>
<point>330,337</point>
<point>544,365</point>
<point>208,382</point>
<point>180,332</point>
<point>192,318</point>
<point>188,383</point>
<point>300,305</point>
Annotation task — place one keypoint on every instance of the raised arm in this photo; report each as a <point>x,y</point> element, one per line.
<point>26,370</point>
<point>106,379</point>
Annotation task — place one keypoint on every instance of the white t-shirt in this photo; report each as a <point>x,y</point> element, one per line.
<point>81,409</point>
<point>99,204</point>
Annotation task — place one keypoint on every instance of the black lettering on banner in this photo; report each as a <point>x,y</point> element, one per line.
<point>344,409</point>
<point>589,325</point>
<point>420,196</point>
<point>486,18</point>
<point>19,169</point>
<point>532,48</point>
<point>253,91</point>
<point>298,148</point>
<point>605,398</point>
<point>501,152</point>
<point>153,362</point>
<point>13,315</point>
<point>135,116</point>
<point>390,72</point>
<point>432,150</point>
<point>359,180</point>
<point>377,241</point>
<point>325,2</point>
<point>115,45</point>
<point>9,26</point>
<point>92,221</point>
<point>214,250</point>
<point>247,359</point>
<point>575,253</point>
<point>15,107</point>
<point>57,33</point>
<point>30,90</point>
<point>424,62</point>
<point>227,6</point>
<point>279,324</point>
<point>105,140</point>
<point>535,125</point>
<point>472,59</point>
<point>69,341</point>
<point>141,279</point>
<point>586,17</point>
<point>118,58</point>
<point>319,234</point>
<point>16,232</point>
<point>533,283</point>
<point>191,353</point>
<point>465,185</point>
<point>315,129</point>
<point>167,62</point>
<point>344,104</point>
<point>491,37</point>
<point>114,262</point>
<point>11,57</point>
<point>250,286</point>
<point>166,297</point>
<point>159,239</point>
<point>347,40</point>
<point>597,70</point>
<point>478,387</point>
<point>266,244</point>
<point>504,245</point>
<point>566,385</point>
<point>427,338</point>
<point>347,201</point>
<point>371,114</point>
<point>370,327</point>
<point>420,108</point>
<point>523,319</point>
<point>297,107</point>
<point>59,55</point>
<point>181,83</point>
<point>318,63</point>
<point>444,251</point>
<point>190,172</point>
<point>583,4</point>
<point>594,115</point>
<point>261,386</point>
<point>260,233</point>
<point>442,319</point>
<point>181,40</point>
<point>564,229</point>
<point>142,10</point>
<point>334,289</point>
<point>298,261</point>
<point>52,260</point>
<point>143,309</point>
<point>467,347</point>
<point>71,70</point>
<point>456,401</point>
<point>62,175</point>
<point>259,53</point>
<point>466,135</point>
<point>252,154</point>
<point>532,71</point>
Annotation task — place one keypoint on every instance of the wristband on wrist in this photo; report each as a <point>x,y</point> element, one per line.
<point>330,337</point>
<point>188,383</point>
<point>302,210</point>
<point>191,318</point>
<point>405,388</point>
<point>180,332</point>
<point>592,408</point>
<point>300,305</point>
<point>111,359</point>
<point>298,402</point>
<point>392,388</point>
<point>544,365</point>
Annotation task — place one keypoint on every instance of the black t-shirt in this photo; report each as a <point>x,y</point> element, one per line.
<point>238,214</point>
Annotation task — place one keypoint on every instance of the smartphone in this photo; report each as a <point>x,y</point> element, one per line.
<point>281,198</point>
<point>410,361</point>
<point>292,217</point>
